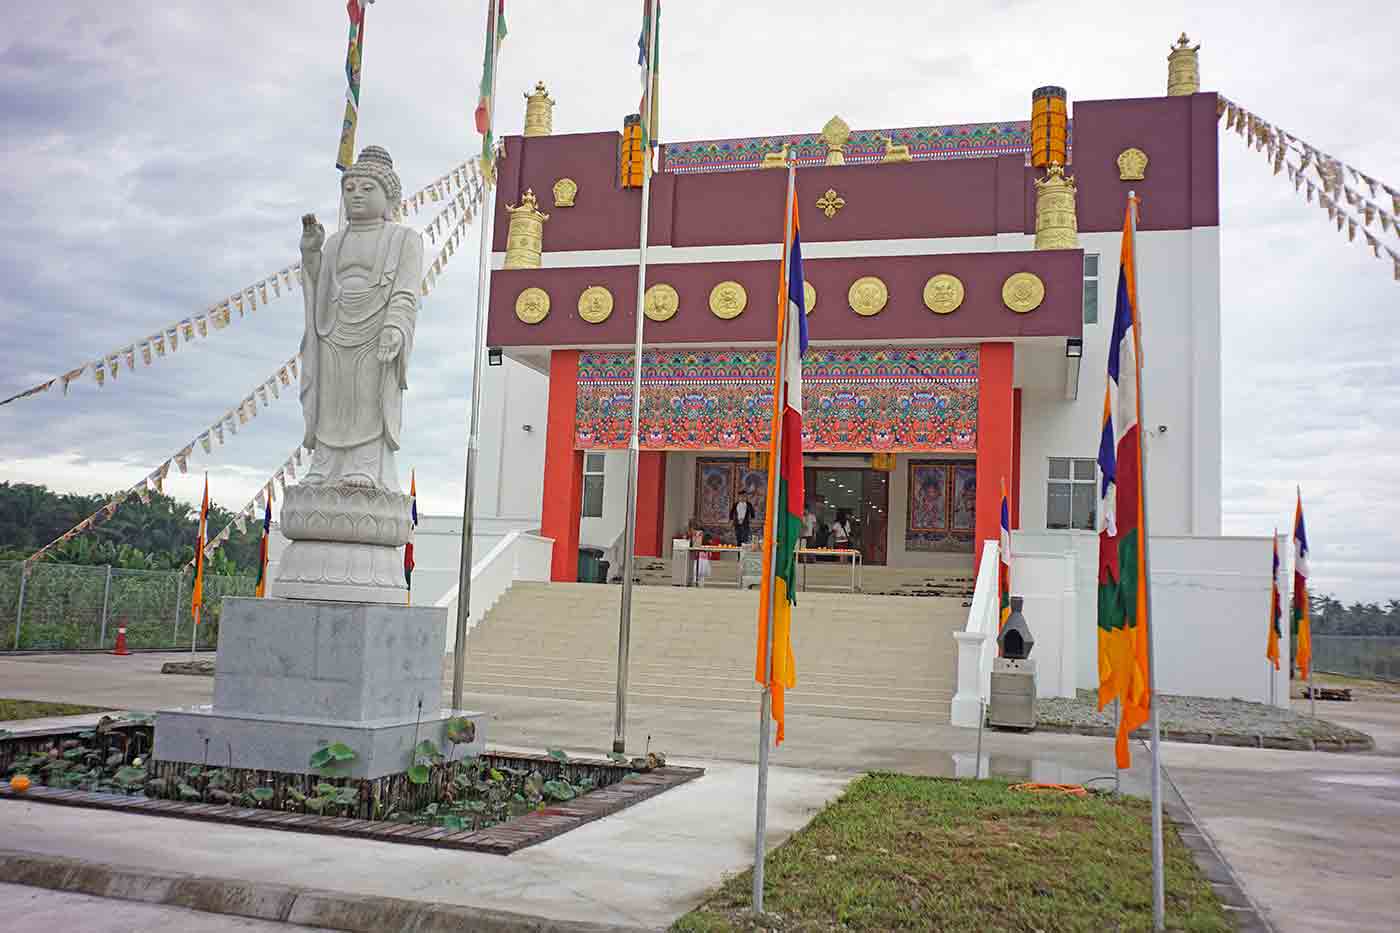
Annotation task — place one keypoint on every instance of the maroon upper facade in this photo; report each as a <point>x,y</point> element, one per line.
<point>937,199</point>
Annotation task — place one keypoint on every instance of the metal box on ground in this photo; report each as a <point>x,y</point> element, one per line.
<point>1012,701</point>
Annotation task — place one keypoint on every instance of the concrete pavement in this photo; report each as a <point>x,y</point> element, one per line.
<point>1310,833</point>
<point>29,908</point>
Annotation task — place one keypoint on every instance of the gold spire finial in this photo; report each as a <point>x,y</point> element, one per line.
<point>836,133</point>
<point>539,112</point>
<point>1183,68</point>
<point>1056,220</point>
<point>525,240</point>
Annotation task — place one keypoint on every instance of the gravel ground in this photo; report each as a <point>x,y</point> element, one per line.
<point>1204,719</point>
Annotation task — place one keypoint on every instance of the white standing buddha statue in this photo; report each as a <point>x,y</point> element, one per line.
<point>361,295</point>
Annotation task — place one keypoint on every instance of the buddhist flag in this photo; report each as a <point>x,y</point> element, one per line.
<point>783,517</point>
<point>1122,612</point>
<point>354,55</point>
<point>1275,610</point>
<point>1004,564</point>
<point>408,548</point>
<point>1302,617</point>
<point>260,590</point>
<point>495,35</point>
<point>649,60</point>
<point>197,597</point>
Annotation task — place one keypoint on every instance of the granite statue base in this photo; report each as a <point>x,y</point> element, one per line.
<point>293,675</point>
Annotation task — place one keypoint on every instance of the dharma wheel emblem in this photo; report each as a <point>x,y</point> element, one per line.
<point>661,303</point>
<point>868,296</point>
<point>532,305</point>
<point>595,304</point>
<point>831,202</point>
<point>1023,292</point>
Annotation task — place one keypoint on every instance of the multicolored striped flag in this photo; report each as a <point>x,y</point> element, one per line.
<point>1275,610</point>
<point>1004,566</point>
<point>197,597</point>
<point>260,590</point>
<point>495,35</point>
<point>783,517</point>
<point>651,114</point>
<point>1122,614</point>
<point>1302,615</point>
<point>354,56</point>
<point>408,548</point>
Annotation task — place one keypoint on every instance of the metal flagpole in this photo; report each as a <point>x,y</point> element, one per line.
<point>1158,877</point>
<point>487,211</point>
<point>629,530</point>
<point>771,547</point>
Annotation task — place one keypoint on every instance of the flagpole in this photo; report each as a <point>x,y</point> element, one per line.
<point>483,291</point>
<point>629,530</point>
<point>1158,878</point>
<point>765,718</point>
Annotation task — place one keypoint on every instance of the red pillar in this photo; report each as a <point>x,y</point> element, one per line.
<point>563,467</point>
<point>995,436</point>
<point>651,502</point>
<point>1016,459</point>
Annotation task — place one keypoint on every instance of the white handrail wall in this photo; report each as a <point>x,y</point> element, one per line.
<point>977,643</point>
<point>520,555</point>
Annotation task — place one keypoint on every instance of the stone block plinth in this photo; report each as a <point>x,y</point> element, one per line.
<point>292,675</point>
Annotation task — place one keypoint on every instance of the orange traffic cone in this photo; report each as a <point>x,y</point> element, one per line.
<point>121,642</point>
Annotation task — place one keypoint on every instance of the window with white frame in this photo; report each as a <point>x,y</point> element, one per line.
<point>1071,494</point>
<point>593,485</point>
<point>1091,288</point>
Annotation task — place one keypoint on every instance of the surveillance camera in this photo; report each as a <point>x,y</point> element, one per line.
<point>527,428</point>
<point>1161,429</point>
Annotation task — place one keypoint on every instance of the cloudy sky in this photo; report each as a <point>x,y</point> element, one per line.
<point>158,160</point>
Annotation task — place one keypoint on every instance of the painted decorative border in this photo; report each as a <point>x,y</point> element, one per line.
<point>954,141</point>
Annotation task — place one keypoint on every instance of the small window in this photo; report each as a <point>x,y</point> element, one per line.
<point>1091,288</point>
<point>593,485</point>
<point>1071,494</point>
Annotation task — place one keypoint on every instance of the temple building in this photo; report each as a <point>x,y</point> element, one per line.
<point>960,285</point>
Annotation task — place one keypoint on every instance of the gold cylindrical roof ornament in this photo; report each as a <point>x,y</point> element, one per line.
<point>525,240</point>
<point>539,112</point>
<point>1183,68</point>
<point>1049,126</point>
<point>836,134</point>
<point>1056,220</point>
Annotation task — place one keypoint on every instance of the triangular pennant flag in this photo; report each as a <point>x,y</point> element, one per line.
<point>281,479</point>
<point>241,524</point>
<point>262,291</point>
<point>1351,230</point>
<point>158,341</point>
<point>130,352</point>
<point>261,499</point>
<point>1372,242</point>
<point>1386,221</point>
<point>202,322</point>
<point>219,432</point>
<point>182,459</point>
<point>262,394</point>
<point>235,420</point>
<point>238,303</point>
<point>224,535</point>
<point>158,480</point>
<point>292,364</point>
<point>1341,221</point>
<point>284,377</point>
<point>146,352</point>
<point>143,493</point>
<point>1368,213</point>
<point>71,375</point>
<point>272,385</point>
<point>276,287</point>
<point>1370,183</point>
<point>204,442</point>
<point>252,298</point>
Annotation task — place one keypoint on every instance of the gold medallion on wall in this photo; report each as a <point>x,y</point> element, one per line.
<point>532,305</point>
<point>565,190</point>
<point>728,299</point>
<point>943,294</point>
<point>661,302</point>
<point>868,295</point>
<point>809,297</point>
<point>595,304</point>
<point>1023,292</point>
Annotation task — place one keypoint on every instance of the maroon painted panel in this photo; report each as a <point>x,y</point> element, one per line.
<point>981,316</point>
<point>1180,189</point>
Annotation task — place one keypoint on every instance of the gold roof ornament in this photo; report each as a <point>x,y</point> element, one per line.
<point>539,112</point>
<point>1183,68</point>
<point>836,134</point>
<point>1132,165</point>
<point>525,239</point>
<point>1056,221</point>
<point>895,153</point>
<point>565,190</point>
<point>778,158</point>
<point>830,203</point>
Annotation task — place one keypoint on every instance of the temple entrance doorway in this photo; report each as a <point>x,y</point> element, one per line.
<point>858,495</point>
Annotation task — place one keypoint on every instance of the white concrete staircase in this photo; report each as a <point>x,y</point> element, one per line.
<point>858,656</point>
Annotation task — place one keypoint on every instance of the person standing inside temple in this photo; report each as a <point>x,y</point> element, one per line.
<point>841,530</point>
<point>741,515</point>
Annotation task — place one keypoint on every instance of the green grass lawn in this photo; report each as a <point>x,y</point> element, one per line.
<point>38,709</point>
<point>908,853</point>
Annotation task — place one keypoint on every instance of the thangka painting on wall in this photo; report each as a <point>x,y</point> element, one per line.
<point>856,399</point>
<point>942,506</point>
<point>717,485</point>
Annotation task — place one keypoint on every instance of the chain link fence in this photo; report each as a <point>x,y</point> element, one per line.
<point>65,607</point>
<point>1373,657</point>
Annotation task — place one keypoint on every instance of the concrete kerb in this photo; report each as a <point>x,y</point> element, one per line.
<point>274,902</point>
